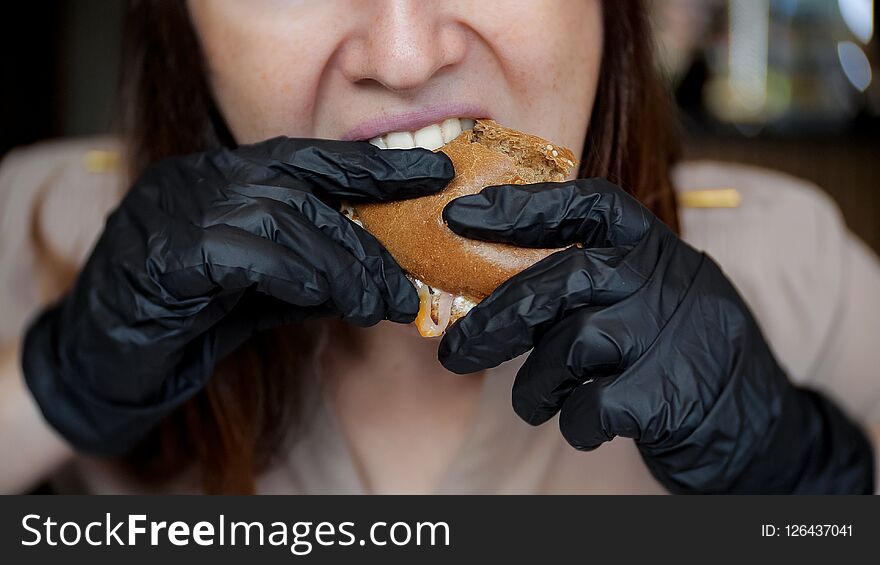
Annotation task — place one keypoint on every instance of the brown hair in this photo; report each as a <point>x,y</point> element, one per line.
<point>230,431</point>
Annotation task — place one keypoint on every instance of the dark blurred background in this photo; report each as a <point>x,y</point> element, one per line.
<point>786,84</point>
<point>60,59</point>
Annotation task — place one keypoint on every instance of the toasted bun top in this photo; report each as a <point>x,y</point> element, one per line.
<point>413,230</point>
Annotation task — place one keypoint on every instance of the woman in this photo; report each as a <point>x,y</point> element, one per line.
<point>201,344</point>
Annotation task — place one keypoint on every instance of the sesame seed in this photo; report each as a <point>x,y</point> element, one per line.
<point>555,153</point>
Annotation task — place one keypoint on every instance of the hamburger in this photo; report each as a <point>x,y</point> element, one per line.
<point>453,273</point>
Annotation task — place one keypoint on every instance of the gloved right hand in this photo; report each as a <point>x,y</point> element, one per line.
<point>204,251</point>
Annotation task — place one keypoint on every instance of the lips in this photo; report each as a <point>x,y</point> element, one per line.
<point>382,121</point>
<point>430,137</point>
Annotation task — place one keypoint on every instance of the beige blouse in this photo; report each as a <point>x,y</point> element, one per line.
<point>813,286</point>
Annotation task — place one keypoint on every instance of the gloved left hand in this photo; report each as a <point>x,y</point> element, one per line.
<point>637,334</point>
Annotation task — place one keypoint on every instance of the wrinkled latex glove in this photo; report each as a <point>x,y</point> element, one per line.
<point>204,251</point>
<point>637,334</point>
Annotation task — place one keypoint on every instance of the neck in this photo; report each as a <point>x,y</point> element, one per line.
<point>404,416</point>
<point>390,355</point>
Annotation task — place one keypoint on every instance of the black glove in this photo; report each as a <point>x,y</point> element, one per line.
<point>637,334</point>
<point>203,252</point>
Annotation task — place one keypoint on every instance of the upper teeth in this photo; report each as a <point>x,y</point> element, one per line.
<point>430,137</point>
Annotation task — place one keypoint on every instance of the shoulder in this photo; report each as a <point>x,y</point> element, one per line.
<point>782,246</point>
<point>787,221</point>
<point>85,165</point>
<point>64,186</point>
<point>54,197</point>
<point>763,192</point>
<point>91,155</point>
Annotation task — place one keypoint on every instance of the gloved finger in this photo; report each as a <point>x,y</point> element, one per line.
<point>310,271</point>
<point>592,212</point>
<point>589,416</point>
<point>236,319</point>
<point>591,343</point>
<point>351,170</point>
<point>248,314</point>
<point>639,403</point>
<point>271,311</point>
<point>511,319</point>
<point>267,213</point>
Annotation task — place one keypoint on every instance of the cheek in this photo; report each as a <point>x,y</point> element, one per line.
<point>263,85</point>
<point>552,52</point>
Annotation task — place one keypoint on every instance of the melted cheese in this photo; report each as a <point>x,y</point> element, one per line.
<point>438,309</point>
<point>435,311</point>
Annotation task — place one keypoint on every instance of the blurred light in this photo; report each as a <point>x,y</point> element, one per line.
<point>859,17</point>
<point>855,64</point>
<point>749,37</point>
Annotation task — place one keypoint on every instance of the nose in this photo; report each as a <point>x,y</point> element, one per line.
<point>402,44</point>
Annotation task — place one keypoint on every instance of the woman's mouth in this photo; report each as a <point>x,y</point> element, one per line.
<point>431,137</point>
<point>403,127</point>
